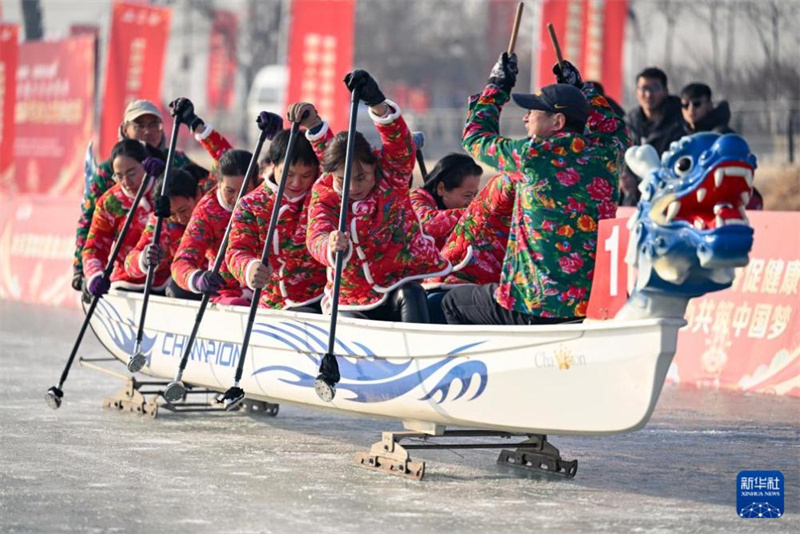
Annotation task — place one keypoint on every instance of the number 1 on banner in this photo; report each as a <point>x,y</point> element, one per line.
<point>612,245</point>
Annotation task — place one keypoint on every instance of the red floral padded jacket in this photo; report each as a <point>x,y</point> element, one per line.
<point>171,233</point>
<point>297,278</point>
<point>437,223</point>
<point>477,245</point>
<point>108,219</point>
<point>389,247</point>
<point>198,247</point>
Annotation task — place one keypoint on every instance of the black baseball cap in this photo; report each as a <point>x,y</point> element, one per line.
<point>556,98</point>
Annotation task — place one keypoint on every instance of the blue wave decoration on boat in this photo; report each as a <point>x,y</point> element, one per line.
<point>375,379</point>
<point>122,329</point>
<point>298,337</point>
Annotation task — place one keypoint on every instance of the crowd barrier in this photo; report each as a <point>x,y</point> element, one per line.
<point>746,338</point>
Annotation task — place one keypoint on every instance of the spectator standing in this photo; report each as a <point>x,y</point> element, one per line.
<point>657,119</point>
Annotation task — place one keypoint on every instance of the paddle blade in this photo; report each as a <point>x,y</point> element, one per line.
<point>53,397</point>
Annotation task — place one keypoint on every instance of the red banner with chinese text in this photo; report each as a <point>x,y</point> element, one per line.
<point>591,35</point>
<point>54,115</point>
<point>9,56</point>
<point>137,44</point>
<point>745,338</point>
<point>222,60</point>
<point>320,54</point>
<point>37,241</point>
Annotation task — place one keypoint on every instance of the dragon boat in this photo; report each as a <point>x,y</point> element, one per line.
<point>688,234</point>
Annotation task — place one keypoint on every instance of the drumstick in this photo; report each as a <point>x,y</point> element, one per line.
<point>513,42</point>
<point>555,45</point>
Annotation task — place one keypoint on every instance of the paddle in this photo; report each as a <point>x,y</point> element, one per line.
<point>325,384</point>
<point>138,360</point>
<point>176,390</point>
<point>419,142</point>
<point>234,396</point>
<point>54,395</point>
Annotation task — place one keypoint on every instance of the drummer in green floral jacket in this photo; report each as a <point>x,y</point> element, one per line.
<point>566,179</point>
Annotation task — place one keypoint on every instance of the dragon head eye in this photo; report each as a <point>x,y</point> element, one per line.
<point>683,165</point>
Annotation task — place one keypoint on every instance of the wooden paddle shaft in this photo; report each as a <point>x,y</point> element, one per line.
<point>555,45</point>
<point>513,42</point>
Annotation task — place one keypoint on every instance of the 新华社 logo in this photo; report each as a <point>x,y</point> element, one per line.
<point>759,494</point>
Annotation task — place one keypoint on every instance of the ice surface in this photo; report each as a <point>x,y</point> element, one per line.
<point>85,469</point>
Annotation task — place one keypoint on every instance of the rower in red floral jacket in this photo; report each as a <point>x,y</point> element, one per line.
<point>294,279</point>
<point>197,251</point>
<point>477,245</point>
<point>176,208</point>
<point>386,251</point>
<point>566,179</point>
<point>448,189</point>
<point>130,165</point>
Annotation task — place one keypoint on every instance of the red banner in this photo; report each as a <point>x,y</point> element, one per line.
<point>320,54</point>
<point>54,115</point>
<point>137,43</point>
<point>744,338</point>
<point>591,34</point>
<point>37,240</point>
<point>222,60</point>
<point>9,55</point>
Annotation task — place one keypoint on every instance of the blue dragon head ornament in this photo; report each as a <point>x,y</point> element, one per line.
<point>690,229</point>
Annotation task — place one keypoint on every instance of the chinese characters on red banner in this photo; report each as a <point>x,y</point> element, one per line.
<point>591,35</point>
<point>136,47</point>
<point>320,53</point>
<point>54,114</point>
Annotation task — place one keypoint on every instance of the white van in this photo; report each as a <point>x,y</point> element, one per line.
<point>268,93</point>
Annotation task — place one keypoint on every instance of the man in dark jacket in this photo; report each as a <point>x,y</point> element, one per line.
<point>699,112</point>
<point>657,120</point>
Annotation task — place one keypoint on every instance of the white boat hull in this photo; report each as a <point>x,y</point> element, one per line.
<point>589,379</point>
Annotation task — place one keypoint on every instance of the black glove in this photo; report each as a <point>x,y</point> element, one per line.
<point>570,76</point>
<point>153,254</point>
<point>504,72</point>
<point>154,167</point>
<point>269,123</point>
<point>368,90</point>
<point>183,110</point>
<point>162,207</point>
<point>77,281</point>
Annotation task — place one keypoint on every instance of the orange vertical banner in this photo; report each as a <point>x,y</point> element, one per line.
<point>591,34</point>
<point>9,56</point>
<point>222,60</point>
<point>137,44</point>
<point>321,46</point>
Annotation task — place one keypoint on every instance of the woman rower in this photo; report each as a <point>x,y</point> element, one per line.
<point>386,251</point>
<point>130,163</point>
<point>182,194</point>
<point>293,280</point>
<point>448,189</point>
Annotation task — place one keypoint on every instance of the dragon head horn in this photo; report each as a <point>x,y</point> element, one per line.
<point>642,160</point>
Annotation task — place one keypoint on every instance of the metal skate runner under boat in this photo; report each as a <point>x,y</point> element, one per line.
<point>590,378</point>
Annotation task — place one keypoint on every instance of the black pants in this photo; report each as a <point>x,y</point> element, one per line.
<point>476,305</point>
<point>174,291</point>
<point>406,304</point>
<point>308,308</point>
